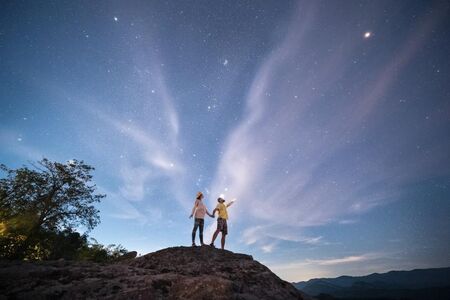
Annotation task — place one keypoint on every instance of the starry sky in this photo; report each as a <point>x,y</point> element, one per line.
<point>327,120</point>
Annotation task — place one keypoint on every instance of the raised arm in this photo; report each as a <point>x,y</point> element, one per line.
<point>229,204</point>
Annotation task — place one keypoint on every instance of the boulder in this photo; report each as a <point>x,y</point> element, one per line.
<point>172,273</point>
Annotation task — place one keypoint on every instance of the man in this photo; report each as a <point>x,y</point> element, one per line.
<point>221,221</point>
<point>199,210</point>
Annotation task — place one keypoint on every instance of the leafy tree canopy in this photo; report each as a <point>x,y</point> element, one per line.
<point>50,197</point>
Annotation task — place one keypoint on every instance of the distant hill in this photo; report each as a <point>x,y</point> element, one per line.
<point>416,284</point>
<point>172,273</point>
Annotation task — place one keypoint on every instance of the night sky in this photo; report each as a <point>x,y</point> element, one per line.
<point>329,121</point>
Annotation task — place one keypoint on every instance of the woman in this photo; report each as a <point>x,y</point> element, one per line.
<point>199,210</point>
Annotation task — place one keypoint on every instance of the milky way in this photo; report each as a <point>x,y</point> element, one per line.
<point>327,121</point>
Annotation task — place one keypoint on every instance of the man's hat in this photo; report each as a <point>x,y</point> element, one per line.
<point>220,200</point>
<point>199,194</point>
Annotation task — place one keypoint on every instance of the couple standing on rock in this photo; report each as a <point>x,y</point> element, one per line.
<point>199,210</point>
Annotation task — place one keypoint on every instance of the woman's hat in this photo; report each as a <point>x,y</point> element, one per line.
<point>199,194</point>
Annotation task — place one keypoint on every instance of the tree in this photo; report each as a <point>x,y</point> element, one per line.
<point>95,251</point>
<point>49,198</point>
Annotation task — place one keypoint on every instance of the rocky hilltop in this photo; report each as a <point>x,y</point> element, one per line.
<point>172,273</point>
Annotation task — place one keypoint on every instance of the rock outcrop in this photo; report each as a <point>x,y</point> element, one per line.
<point>172,273</point>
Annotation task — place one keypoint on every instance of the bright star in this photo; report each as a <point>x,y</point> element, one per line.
<point>367,34</point>
<point>116,19</point>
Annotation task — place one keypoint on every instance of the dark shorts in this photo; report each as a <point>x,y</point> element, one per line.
<point>222,225</point>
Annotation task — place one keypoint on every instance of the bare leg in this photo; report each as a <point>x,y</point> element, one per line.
<point>214,236</point>
<point>223,240</point>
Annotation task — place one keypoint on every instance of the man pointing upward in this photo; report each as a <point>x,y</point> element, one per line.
<point>221,221</point>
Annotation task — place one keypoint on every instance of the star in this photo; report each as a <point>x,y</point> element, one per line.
<point>225,62</point>
<point>367,34</point>
<point>116,19</point>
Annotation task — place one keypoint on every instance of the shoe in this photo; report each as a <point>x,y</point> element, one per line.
<point>203,244</point>
<point>212,245</point>
<point>194,245</point>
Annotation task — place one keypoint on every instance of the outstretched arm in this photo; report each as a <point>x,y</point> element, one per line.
<point>229,204</point>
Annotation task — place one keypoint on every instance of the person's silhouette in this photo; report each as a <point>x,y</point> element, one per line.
<point>221,221</point>
<point>199,210</point>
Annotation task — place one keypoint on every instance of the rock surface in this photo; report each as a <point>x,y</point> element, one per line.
<point>172,273</point>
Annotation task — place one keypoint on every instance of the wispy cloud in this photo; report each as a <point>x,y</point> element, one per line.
<point>153,149</point>
<point>268,248</point>
<point>355,265</point>
<point>268,237</point>
<point>347,221</point>
<point>120,208</point>
<point>134,180</point>
<point>148,157</point>
<point>290,165</point>
<point>338,261</point>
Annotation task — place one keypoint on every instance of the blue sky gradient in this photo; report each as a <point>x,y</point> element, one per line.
<point>328,121</point>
